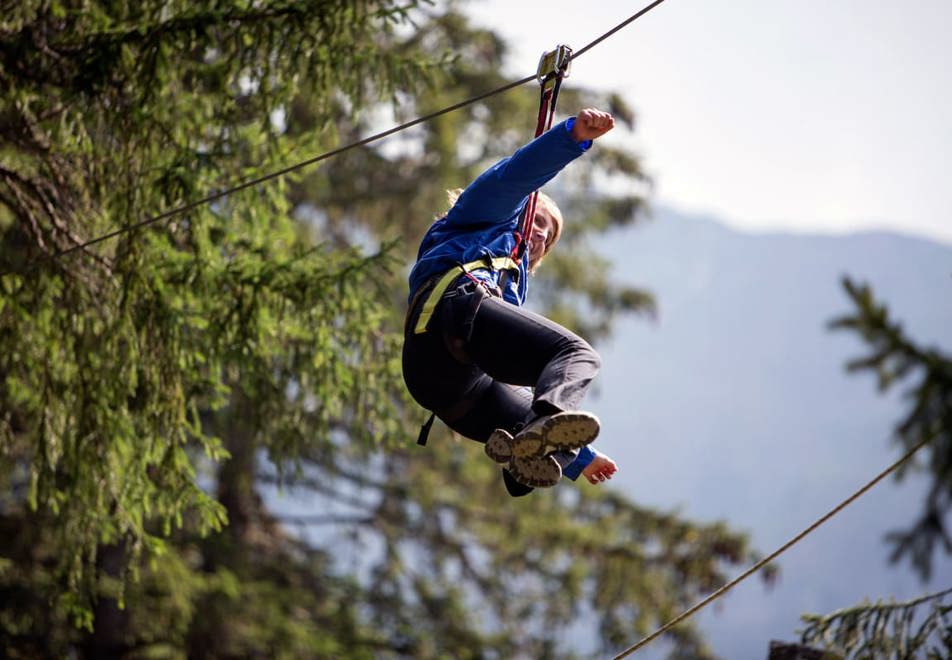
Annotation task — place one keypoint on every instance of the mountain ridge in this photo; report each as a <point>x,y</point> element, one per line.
<point>736,404</point>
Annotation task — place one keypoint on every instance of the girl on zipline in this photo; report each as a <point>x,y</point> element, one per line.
<point>471,351</point>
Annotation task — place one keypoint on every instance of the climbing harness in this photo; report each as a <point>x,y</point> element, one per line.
<point>432,298</point>
<point>429,296</point>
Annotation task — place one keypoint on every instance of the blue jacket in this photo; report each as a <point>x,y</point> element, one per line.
<point>482,222</point>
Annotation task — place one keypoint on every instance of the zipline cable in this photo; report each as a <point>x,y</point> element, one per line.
<point>776,553</point>
<point>324,156</point>
<point>291,168</point>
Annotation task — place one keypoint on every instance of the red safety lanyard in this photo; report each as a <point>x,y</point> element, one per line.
<point>553,67</point>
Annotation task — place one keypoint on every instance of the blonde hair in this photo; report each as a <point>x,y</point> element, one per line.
<point>549,205</point>
<point>545,202</point>
<point>451,196</point>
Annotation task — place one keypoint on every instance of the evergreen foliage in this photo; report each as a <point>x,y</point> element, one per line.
<point>161,391</point>
<point>901,630</point>
<point>895,358</point>
<point>918,628</point>
<point>112,357</point>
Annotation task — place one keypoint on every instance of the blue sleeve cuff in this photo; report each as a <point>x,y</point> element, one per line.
<point>585,456</point>
<point>569,123</point>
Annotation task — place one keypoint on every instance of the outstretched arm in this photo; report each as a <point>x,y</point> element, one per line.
<point>498,193</point>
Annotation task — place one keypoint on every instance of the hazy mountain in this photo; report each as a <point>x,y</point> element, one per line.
<point>735,405</point>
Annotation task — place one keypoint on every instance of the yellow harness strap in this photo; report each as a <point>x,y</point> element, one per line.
<point>433,298</point>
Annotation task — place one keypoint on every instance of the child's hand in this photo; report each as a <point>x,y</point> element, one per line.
<point>600,469</point>
<point>590,124</point>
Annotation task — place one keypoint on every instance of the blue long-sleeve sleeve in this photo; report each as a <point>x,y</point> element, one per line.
<point>585,456</point>
<point>481,223</point>
<point>499,193</point>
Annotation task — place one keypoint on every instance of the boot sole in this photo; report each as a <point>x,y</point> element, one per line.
<point>564,431</point>
<point>561,432</point>
<point>538,471</point>
<point>499,446</point>
<point>526,454</point>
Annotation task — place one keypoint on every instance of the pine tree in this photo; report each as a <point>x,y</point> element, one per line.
<point>114,356</point>
<point>897,359</point>
<point>920,627</point>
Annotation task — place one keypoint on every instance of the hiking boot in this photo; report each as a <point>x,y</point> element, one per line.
<point>564,431</point>
<point>526,454</point>
<point>536,471</point>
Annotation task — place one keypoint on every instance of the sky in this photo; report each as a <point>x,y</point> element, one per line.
<point>787,115</point>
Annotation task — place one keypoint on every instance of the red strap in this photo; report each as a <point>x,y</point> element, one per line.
<point>547,104</point>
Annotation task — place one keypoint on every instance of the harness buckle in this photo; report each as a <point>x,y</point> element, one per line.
<point>554,64</point>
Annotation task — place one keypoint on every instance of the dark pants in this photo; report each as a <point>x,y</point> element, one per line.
<point>480,354</point>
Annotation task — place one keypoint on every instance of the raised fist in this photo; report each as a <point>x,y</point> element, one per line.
<point>591,123</point>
